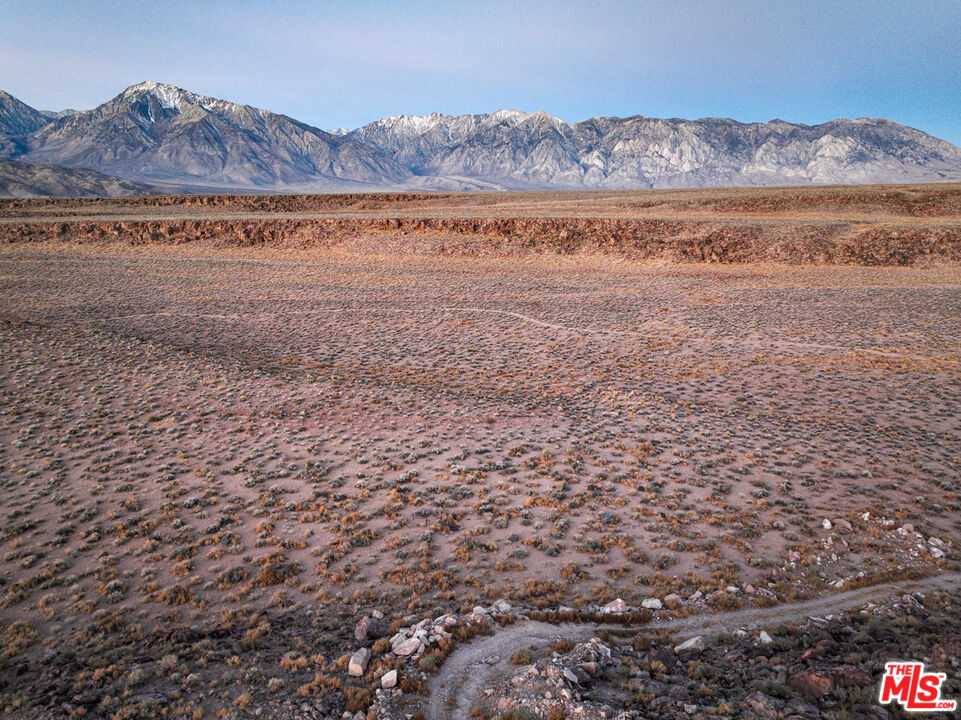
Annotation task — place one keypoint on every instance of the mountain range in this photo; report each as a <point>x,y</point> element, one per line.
<point>159,137</point>
<point>19,179</point>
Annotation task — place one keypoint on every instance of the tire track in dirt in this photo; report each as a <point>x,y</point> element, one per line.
<point>474,666</point>
<point>765,344</point>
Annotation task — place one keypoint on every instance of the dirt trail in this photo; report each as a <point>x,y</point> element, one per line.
<point>741,342</point>
<point>765,345</point>
<point>479,664</point>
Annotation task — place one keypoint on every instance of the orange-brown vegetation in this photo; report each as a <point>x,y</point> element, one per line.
<point>230,427</point>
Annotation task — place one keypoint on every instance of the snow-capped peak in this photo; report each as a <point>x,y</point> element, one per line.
<point>509,115</point>
<point>169,96</point>
<point>417,124</point>
<point>516,117</point>
<point>175,98</point>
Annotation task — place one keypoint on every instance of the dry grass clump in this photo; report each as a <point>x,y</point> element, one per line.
<point>214,458</point>
<point>320,686</point>
<point>17,637</point>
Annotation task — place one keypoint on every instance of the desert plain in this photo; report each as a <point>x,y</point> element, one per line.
<point>234,427</point>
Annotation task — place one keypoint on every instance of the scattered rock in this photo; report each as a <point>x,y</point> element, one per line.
<point>358,663</point>
<point>367,628</point>
<point>870,712</point>
<point>615,606</point>
<point>717,598</point>
<point>695,644</point>
<point>763,705</point>
<point>848,676</point>
<point>407,647</point>
<point>664,654</point>
<point>811,684</point>
<point>388,679</point>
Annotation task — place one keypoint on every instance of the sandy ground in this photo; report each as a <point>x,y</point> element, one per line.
<point>236,453</point>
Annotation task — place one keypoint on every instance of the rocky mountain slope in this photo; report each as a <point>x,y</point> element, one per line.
<point>519,150</point>
<point>18,118</point>
<point>158,133</point>
<point>19,179</point>
<point>155,132</point>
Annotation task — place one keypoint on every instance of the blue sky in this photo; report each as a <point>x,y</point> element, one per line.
<point>342,64</point>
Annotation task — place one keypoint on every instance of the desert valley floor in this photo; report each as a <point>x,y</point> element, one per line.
<point>231,430</point>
